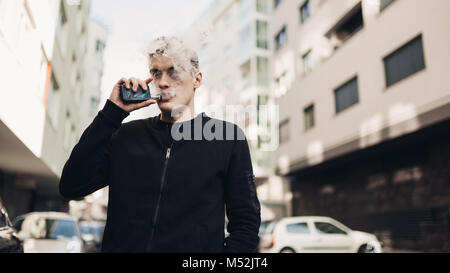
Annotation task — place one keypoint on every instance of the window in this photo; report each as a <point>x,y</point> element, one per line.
<point>261,34</point>
<point>385,3</point>
<point>54,102</point>
<point>346,95</point>
<point>67,131</point>
<point>327,228</point>
<point>304,12</point>
<point>284,131</point>
<point>61,28</point>
<point>348,26</point>
<point>298,228</point>
<point>270,228</point>
<point>307,64</point>
<point>308,113</point>
<point>261,6</point>
<point>405,61</point>
<point>276,3</point>
<point>262,66</point>
<point>245,74</point>
<point>281,84</point>
<point>280,38</point>
<point>99,48</point>
<point>93,106</point>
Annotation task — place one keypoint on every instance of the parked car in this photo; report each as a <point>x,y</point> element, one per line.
<point>315,234</point>
<point>92,234</point>
<point>10,241</point>
<point>49,232</point>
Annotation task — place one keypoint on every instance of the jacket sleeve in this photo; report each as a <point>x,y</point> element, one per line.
<point>242,205</point>
<point>87,168</point>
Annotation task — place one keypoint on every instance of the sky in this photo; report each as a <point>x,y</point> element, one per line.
<point>131,25</point>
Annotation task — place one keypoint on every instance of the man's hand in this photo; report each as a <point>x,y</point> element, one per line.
<point>115,94</point>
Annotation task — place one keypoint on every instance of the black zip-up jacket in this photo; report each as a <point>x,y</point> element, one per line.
<point>166,194</point>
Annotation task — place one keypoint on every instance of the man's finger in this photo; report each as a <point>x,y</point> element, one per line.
<point>135,84</point>
<point>143,84</point>
<point>149,80</point>
<point>125,81</point>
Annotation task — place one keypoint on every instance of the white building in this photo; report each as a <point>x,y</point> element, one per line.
<point>235,60</point>
<point>42,47</point>
<point>93,68</point>
<point>364,100</point>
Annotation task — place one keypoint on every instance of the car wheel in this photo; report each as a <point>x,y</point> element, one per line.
<point>287,250</point>
<point>366,248</point>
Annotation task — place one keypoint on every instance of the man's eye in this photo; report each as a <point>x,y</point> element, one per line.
<point>156,73</point>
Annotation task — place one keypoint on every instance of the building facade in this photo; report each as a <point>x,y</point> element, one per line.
<point>364,115</point>
<point>43,48</point>
<point>235,61</point>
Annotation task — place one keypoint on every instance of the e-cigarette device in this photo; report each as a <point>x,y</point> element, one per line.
<point>129,96</point>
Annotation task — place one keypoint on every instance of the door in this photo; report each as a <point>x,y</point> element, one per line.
<point>332,239</point>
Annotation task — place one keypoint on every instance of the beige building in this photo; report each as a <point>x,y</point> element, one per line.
<point>364,102</point>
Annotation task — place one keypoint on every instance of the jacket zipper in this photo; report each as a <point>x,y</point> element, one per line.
<point>163,176</point>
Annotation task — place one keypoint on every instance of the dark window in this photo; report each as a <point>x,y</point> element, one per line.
<point>280,38</point>
<point>405,61</point>
<point>385,3</point>
<point>309,117</point>
<point>284,131</point>
<point>327,228</point>
<point>346,95</point>
<point>349,25</point>
<point>298,228</point>
<point>276,3</point>
<point>304,12</point>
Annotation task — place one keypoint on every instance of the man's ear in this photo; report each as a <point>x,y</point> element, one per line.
<point>197,80</point>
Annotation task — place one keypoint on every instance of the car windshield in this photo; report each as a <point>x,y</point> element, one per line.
<point>49,228</point>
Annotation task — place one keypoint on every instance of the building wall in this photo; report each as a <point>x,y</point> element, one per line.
<point>362,55</point>
<point>93,68</point>
<point>61,126</point>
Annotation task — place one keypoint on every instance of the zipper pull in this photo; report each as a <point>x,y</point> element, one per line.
<point>168,153</point>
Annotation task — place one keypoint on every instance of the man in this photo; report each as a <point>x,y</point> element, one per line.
<point>167,193</point>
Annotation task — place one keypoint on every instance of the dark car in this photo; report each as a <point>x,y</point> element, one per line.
<point>9,240</point>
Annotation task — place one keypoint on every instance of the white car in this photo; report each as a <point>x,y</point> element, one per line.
<point>49,232</point>
<point>315,234</point>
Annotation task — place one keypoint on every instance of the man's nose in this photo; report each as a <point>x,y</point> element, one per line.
<point>164,81</point>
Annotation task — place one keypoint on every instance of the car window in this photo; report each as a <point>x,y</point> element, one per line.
<point>298,228</point>
<point>49,228</point>
<point>85,229</point>
<point>327,228</point>
<point>58,228</point>
<point>270,228</point>
<point>263,226</point>
<point>18,224</point>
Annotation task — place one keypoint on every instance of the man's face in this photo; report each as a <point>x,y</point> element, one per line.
<point>174,82</point>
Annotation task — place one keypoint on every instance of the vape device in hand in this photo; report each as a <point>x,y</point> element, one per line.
<point>129,96</point>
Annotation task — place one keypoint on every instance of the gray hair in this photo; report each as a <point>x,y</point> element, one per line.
<point>174,48</point>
